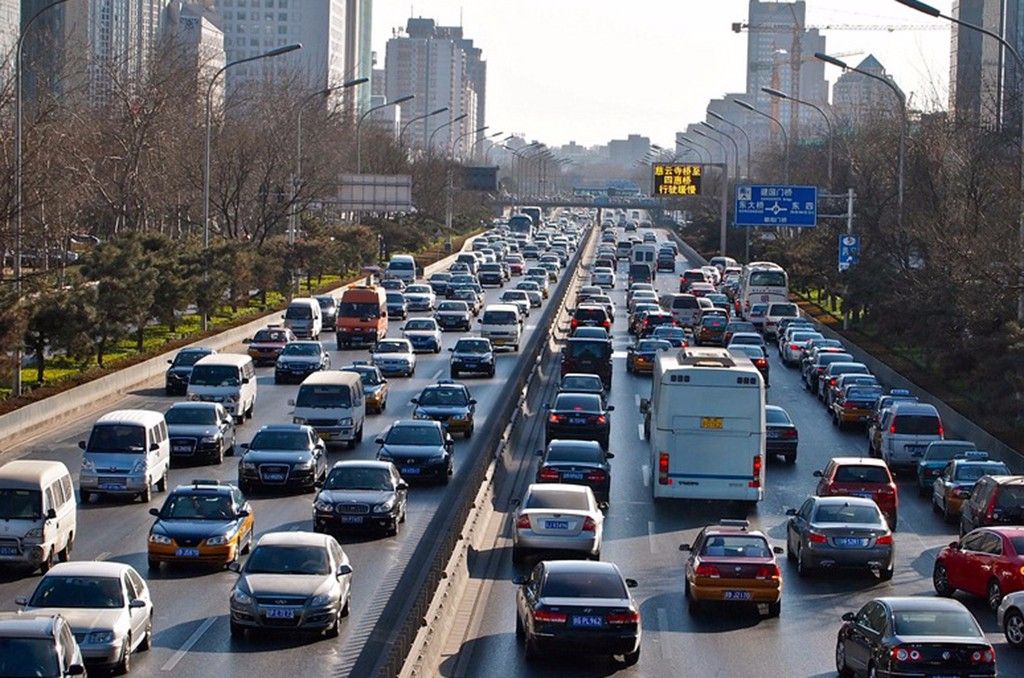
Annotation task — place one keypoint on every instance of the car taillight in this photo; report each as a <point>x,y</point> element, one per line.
<point>990,510</point>
<point>630,617</point>
<point>589,525</point>
<point>607,324</point>
<point>548,617</point>
<point>601,419</point>
<point>554,418</point>
<point>523,523</point>
<point>760,362</point>
<point>905,654</point>
<point>794,347</point>
<point>884,539</point>
<point>985,656</point>
<point>790,433</point>
<point>705,570</point>
<point>575,323</point>
<point>548,474</point>
<point>849,406</point>
<point>892,426</point>
<point>816,538</point>
<point>663,478</point>
<point>820,370</point>
<point>768,572</point>
<point>597,476</point>
<point>832,381</point>
<point>942,431</point>
<point>756,471</point>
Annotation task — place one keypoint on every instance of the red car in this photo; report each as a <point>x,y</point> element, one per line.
<point>861,477</point>
<point>986,562</point>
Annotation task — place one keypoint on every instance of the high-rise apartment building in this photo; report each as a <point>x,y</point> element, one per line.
<point>982,76</point>
<point>10,25</point>
<point>359,50</point>
<point>194,28</point>
<point>252,27</point>
<point>442,69</point>
<point>858,99</point>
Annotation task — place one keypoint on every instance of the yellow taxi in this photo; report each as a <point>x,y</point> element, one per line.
<point>207,522</point>
<point>730,563</point>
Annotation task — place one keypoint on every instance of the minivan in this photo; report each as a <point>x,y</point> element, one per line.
<point>227,378</point>
<point>685,309</point>
<point>588,356</point>
<point>38,513</point>
<point>995,500</point>
<point>500,324</point>
<point>304,318</point>
<point>127,453</point>
<point>362,316</point>
<point>402,267</point>
<point>644,254</point>
<point>640,273</point>
<point>906,431</point>
<point>333,404</point>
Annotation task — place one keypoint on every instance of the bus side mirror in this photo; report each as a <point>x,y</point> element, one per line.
<point>645,405</point>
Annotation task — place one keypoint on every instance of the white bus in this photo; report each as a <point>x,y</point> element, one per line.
<point>763,282</point>
<point>707,426</point>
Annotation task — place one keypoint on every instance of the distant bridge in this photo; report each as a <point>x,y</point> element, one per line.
<point>637,202</point>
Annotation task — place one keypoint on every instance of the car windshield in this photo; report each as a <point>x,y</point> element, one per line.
<point>767,279</point>
<point>590,454</point>
<point>556,499</point>
<point>419,325</point>
<point>917,424</point>
<point>275,559</point>
<point>584,585</point>
<point>458,306</point>
<point>413,435</point>
<point>15,504</point>
<point>472,346</point>
<point>758,309</point>
<point>736,327</point>
<point>377,479</point>
<point>845,513</point>
<point>124,438</point>
<point>577,402</point>
<point>749,350</point>
<point>1010,497</point>
<point>298,312</point>
<point>214,375</point>
<point>974,471</point>
<point>326,303</point>
<point>188,358</point>
<point>195,506</point>
<point>302,349</point>
<point>855,473</point>
<point>363,309</point>
<point>652,346</point>
<point>395,298</point>
<point>582,384</point>
<point>935,623</point>
<point>280,440</point>
<point>28,657</point>
<point>776,416</point>
<point>946,451</point>
<point>735,546</point>
<point>418,289</point>
<point>741,338</point>
<point>862,393</point>
<point>271,337</point>
<point>499,318</point>
<point>444,396</point>
<point>782,310</point>
<point>82,592</point>
<point>400,265</point>
<point>324,395</point>
<point>191,416</point>
<point>391,347</point>
<point>590,349</point>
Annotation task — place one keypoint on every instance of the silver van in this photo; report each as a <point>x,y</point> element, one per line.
<point>127,453</point>
<point>304,317</point>
<point>38,513</point>
<point>333,404</point>
<point>906,431</point>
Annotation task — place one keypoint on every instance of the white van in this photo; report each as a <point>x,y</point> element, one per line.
<point>644,254</point>
<point>402,267</point>
<point>38,521</point>
<point>906,431</point>
<point>500,323</point>
<point>226,378</point>
<point>333,404</point>
<point>304,318</point>
<point>127,453</point>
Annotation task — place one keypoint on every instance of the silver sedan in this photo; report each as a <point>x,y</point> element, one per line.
<point>560,518</point>
<point>839,532</point>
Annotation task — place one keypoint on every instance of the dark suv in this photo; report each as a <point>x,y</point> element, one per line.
<point>590,356</point>
<point>591,315</point>
<point>995,500</point>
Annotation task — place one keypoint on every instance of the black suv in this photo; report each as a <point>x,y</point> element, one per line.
<point>590,356</point>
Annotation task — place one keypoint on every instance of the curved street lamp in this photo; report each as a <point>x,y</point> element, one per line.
<point>401,134</point>
<point>779,94</point>
<point>785,137</point>
<point>359,127</point>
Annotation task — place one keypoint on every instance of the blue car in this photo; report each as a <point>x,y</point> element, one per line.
<point>935,458</point>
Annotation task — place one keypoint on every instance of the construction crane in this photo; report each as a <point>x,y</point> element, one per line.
<point>774,66</point>
<point>739,27</point>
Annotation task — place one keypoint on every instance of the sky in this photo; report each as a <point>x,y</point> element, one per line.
<point>593,70</point>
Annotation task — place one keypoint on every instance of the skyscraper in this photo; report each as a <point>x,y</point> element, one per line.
<point>858,99</point>
<point>982,77</point>
<point>195,30</point>
<point>10,25</point>
<point>359,50</point>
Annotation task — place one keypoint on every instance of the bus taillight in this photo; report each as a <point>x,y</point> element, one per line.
<point>756,482</point>
<point>663,478</point>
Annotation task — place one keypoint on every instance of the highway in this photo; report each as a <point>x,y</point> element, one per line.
<point>643,540</point>
<point>191,635</point>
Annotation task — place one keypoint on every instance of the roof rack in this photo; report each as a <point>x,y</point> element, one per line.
<point>205,481</point>
<point>730,522</point>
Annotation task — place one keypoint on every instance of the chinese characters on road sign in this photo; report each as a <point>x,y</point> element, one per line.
<point>671,179</point>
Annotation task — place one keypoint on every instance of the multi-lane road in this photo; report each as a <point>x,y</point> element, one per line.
<point>191,635</point>
<point>643,539</point>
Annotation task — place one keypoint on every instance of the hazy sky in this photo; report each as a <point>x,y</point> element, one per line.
<point>592,70</point>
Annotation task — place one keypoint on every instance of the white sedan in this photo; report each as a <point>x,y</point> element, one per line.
<point>394,357</point>
<point>420,297</point>
<point>603,276</point>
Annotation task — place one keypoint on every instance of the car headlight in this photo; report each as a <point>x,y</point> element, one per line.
<point>323,506</point>
<point>210,439</point>
<point>345,421</point>
<point>384,456</point>
<point>139,466</point>
<point>299,420</point>
<point>159,539</point>
<point>420,414</point>
<point>308,464</point>
<point>88,465</point>
<point>247,466</point>
<point>193,396</point>
<point>35,533</point>
<point>241,597</point>
<point>99,637</point>
<point>222,540</point>
<point>384,507</point>
<point>319,601</point>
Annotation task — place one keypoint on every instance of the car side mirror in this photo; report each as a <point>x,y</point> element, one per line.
<point>402,328</point>
<point>81,444</point>
<point>684,547</point>
<point>235,566</point>
<point>472,402</point>
<point>609,455</point>
<point>402,485</point>
<point>520,580</point>
<point>539,453</point>
<point>51,514</point>
<point>344,569</point>
<point>632,583</point>
<point>378,441</point>
<point>415,401</point>
<point>778,550</point>
<point>170,362</point>
<point>610,408</point>
<point>21,601</point>
<point>244,513</point>
<point>954,545</point>
<point>244,446</point>
<point>137,603</point>
<point>451,350</point>
<point>848,617</point>
<point>245,380</point>
<point>291,402</point>
<point>817,474</point>
<point>791,512</point>
<point>154,447</point>
<point>247,340</point>
<point>645,405</point>
<point>154,512</point>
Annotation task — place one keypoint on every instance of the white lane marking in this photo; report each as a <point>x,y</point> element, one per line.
<point>645,473</point>
<point>636,397</point>
<point>618,354</point>
<point>650,536</point>
<point>662,628</point>
<point>640,430</point>
<point>437,375</point>
<point>103,556</point>
<point>192,640</point>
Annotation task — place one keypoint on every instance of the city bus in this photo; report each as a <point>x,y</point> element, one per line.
<point>762,282</point>
<point>535,213</point>
<point>521,223</point>
<point>707,427</point>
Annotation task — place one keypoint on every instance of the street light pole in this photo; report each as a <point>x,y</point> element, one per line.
<point>472,148</point>
<point>735,147</point>
<point>782,128</point>
<point>451,121</point>
<point>487,153</point>
<point>723,229</point>
<point>828,123</point>
<point>933,12</point>
<point>746,137</point>
<point>16,389</point>
<point>401,133</point>
<point>359,126</point>
<point>695,147</point>
<point>450,193</point>
<point>206,165</point>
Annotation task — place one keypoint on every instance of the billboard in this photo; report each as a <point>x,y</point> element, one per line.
<point>480,179</point>
<point>374,193</point>
<point>671,179</point>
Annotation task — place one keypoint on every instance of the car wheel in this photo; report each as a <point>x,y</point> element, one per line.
<point>65,553</point>
<point>469,432</point>
<point>887,574</point>
<point>995,595</point>
<point>359,439</point>
<point>348,606</point>
<point>454,374</point>
<point>491,373</point>
<point>153,565</point>
<point>47,563</point>
<point>802,569</point>
<point>124,665</point>
<point>842,669</point>
<point>517,555</point>
<point>1013,628</point>
<point>774,609</point>
<point>520,631</point>
<point>935,504</point>
<point>922,491</point>
<point>335,627</point>
<point>147,637</point>
<point>947,515</point>
<point>790,553</point>
<point>631,658</point>
<point>532,653</point>
<point>147,494</point>
<point>693,605</point>
<point>940,581</point>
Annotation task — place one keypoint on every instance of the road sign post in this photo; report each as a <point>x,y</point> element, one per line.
<point>790,206</point>
<point>849,251</point>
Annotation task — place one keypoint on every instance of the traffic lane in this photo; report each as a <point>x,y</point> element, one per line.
<point>104,534</point>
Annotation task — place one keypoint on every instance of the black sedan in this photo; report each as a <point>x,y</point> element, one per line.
<point>577,462</point>
<point>282,456</point>
<point>176,379</point>
<point>359,495</point>
<point>299,359</point>
<point>578,416</point>
<point>913,636</point>
<point>200,432</point>
<point>421,449</point>
<point>781,433</point>
<point>577,606</point>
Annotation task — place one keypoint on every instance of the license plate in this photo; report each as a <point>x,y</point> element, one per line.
<point>736,595</point>
<point>280,613</point>
<point>187,553</point>
<point>352,520</point>
<point>112,486</point>
<point>8,550</point>
<point>577,420</point>
<point>572,475</point>
<point>711,422</point>
<point>773,434</point>
<point>588,621</point>
<point>851,541</point>
<point>324,435</point>
<point>273,477</point>
<point>182,448</point>
<point>556,524</point>
<point>915,450</point>
<point>410,471</point>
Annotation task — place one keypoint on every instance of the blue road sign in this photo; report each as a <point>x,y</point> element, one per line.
<point>849,251</point>
<point>777,206</point>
